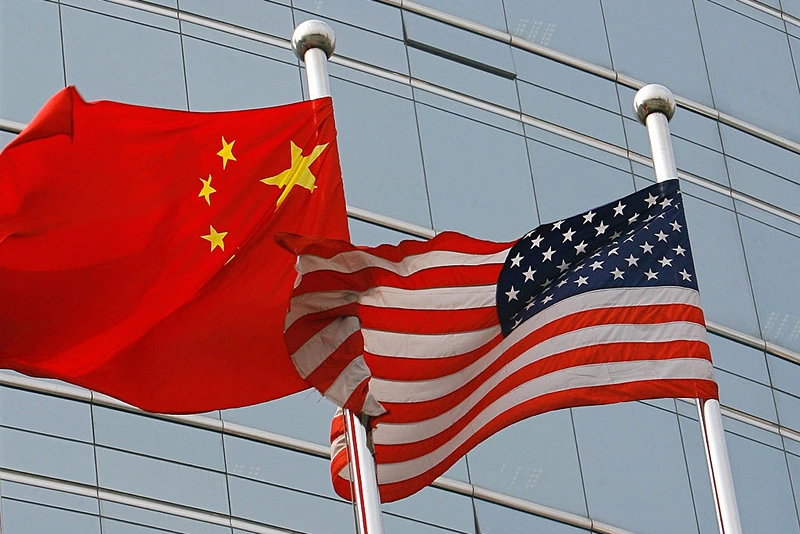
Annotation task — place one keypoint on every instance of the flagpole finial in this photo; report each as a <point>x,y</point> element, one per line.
<point>653,98</point>
<point>313,34</point>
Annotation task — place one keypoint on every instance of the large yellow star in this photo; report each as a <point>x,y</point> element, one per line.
<point>227,152</point>
<point>298,173</point>
<point>207,189</point>
<point>215,238</point>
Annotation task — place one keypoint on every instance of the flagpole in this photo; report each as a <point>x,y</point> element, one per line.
<point>313,42</point>
<point>655,105</point>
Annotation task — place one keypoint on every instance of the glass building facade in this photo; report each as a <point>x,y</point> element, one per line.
<point>481,116</point>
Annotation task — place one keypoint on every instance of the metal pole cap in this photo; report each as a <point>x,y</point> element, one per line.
<point>313,34</point>
<point>653,98</point>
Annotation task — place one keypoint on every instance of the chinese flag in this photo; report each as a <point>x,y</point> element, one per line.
<point>136,247</point>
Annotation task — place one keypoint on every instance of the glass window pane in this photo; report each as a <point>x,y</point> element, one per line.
<point>256,15</point>
<point>772,260</point>
<point>760,153</point>
<point>721,271</point>
<point>289,509</point>
<point>487,12</point>
<point>393,524</point>
<point>545,470</point>
<point>436,506</point>
<point>785,375</point>
<point>698,472</point>
<point>162,480</point>
<point>48,456</point>
<point>139,64</point>
<point>380,154</point>
<point>745,395</point>
<point>634,468</point>
<point>32,69</point>
<point>788,410</point>
<point>572,26</point>
<point>739,359</point>
<point>763,491</point>
<point>668,52</point>
<point>372,15</point>
<point>42,413</point>
<point>28,518</point>
<point>479,180</point>
<point>57,499</point>
<point>741,53</point>
<point>568,183</point>
<point>372,235</point>
<point>496,519</point>
<point>165,522</point>
<point>154,437</point>
<point>223,78</point>
<point>131,13</point>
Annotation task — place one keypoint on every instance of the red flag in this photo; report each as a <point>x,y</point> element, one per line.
<point>136,247</point>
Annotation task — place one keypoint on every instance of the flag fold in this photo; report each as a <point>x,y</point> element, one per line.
<point>448,341</point>
<point>137,255</point>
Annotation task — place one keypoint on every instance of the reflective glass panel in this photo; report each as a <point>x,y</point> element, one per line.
<point>487,12</point>
<point>763,490</point>
<point>223,78</point>
<point>668,52</point>
<point>772,260</point>
<point>365,13</point>
<point>57,499</point>
<point>739,359</point>
<point>741,53</point>
<point>139,64</point>
<point>154,437</point>
<point>31,67</point>
<point>745,395</point>
<point>785,375</point>
<point>764,185</point>
<point>478,179</point>
<point>698,472</point>
<point>380,153</point>
<point>545,470</point>
<point>28,518</point>
<point>131,13</point>
<point>571,26</point>
<point>634,468</point>
<point>788,410</point>
<point>162,480</point>
<point>48,456</point>
<point>43,413</point>
<point>257,15</point>
<point>165,522</point>
<point>496,519</point>
<point>371,235</point>
<point>437,507</point>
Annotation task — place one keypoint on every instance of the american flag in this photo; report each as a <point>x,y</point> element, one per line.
<point>448,341</point>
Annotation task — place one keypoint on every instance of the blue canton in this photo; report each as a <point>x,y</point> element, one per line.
<point>638,241</point>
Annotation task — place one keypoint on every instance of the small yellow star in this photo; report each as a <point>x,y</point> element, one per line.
<point>207,189</point>
<point>227,152</point>
<point>215,238</point>
<point>298,173</point>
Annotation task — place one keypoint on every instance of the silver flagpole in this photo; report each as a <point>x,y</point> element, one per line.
<point>655,106</point>
<point>313,41</point>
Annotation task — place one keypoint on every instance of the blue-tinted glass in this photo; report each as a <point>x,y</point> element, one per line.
<point>496,519</point>
<point>569,113</point>
<point>436,506</point>
<point>545,470</point>
<point>259,461</point>
<point>634,468</point>
<point>479,180</point>
<point>698,471</point>
<point>487,12</point>
<point>219,36</point>
<point>380,154</point>
<point>371,235</point>
<point>256,15</point>
<point>572,26</point>
<point>111,526</point>
<point>510,123</point>
<point>719,260</point>
<point>763,491</point>
<point>452,40</point>
<point>139,64</point>
<point>462,78</point>
<point>741,54</point>
<point>223,78</point>
<point>154,437</point>
<point>616,160</point>
<point>568,183</point>
<point>131,13</point>
<point>393,524</point>
<point>785,375</point>
<point>372,15</point>
<point>31,70</point>
<point>745,395</point>
<point>280,416</point>
<point>365,46</point>
<point>760,153</point>
<point>162,480</point>
<point>165,522</point>
<point>57,499</point>
<point>794,469</point>
<point>772,259</point>
<point>289,509</point>
<point>45,455</point>
<point>396,85</point>
<point>5,138</point>
<point>43,413</point>
<point>739,359</point>
<point>788,410</point>
<point>766,186</point>
<point>668,52</point>
<point>754,433</point>
<point>28,518</point>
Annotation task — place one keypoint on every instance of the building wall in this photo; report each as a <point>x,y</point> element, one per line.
<point>482,116</point>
